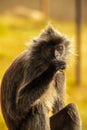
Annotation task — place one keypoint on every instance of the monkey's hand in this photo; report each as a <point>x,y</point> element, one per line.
<point>59,65</point>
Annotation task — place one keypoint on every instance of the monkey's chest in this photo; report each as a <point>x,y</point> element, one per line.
<point>49,97</point>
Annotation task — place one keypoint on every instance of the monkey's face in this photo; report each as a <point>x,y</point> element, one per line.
<point>61,50</point>
<point>54,49</point>
<point>53,44</point>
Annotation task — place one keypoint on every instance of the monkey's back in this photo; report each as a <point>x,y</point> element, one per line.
<point>10,83</point>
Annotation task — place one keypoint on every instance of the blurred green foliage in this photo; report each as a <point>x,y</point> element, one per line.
<point>15,32</point>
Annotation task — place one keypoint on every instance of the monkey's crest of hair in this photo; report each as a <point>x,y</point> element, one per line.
<point>49,33</point>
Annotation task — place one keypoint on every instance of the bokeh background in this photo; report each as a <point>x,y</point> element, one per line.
<point>21,20</point>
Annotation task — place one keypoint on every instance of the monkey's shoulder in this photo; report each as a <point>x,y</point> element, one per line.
<point>16,68</point>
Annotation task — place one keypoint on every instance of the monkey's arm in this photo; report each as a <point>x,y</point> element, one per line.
<point>59,84</point>
<point>35,89</point>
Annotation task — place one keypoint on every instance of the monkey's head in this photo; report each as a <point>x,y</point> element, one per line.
<point>51,45</point>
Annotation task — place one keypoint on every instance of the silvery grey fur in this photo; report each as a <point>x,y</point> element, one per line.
<point>34,84</point>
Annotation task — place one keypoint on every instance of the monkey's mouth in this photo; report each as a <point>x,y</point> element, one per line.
<point>58,55</point>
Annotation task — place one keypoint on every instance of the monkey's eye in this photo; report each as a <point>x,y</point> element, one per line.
<point>60,48</point>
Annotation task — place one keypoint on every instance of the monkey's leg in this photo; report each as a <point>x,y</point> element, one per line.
<point>66,119</point>
<point>37,118</point>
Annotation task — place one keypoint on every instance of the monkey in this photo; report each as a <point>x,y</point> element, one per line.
<point>34,84</point>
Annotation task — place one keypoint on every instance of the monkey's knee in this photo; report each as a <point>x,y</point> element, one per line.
<point>66,119</point>
<point>73,118</point>
<point>72,111</point>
